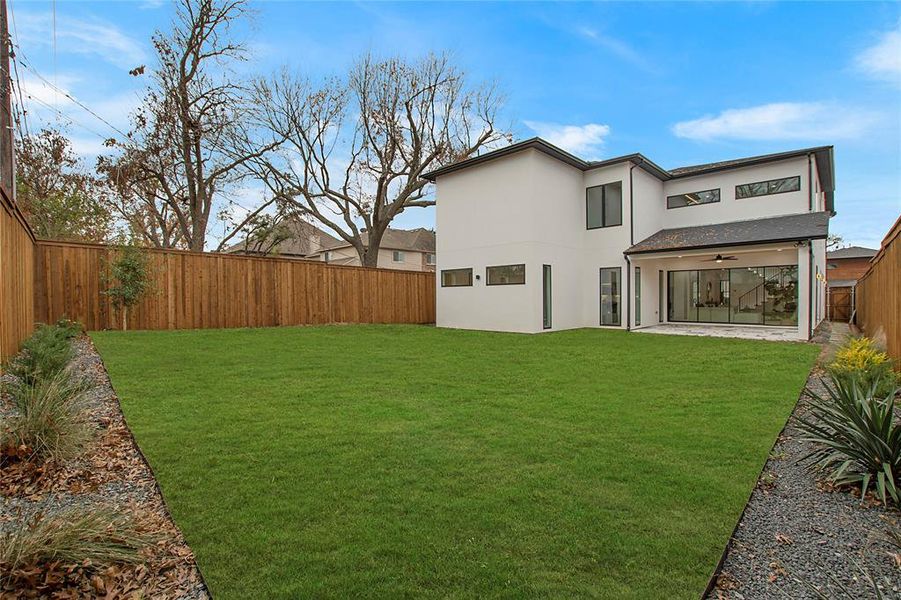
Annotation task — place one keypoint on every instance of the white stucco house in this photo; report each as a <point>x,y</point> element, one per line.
<point>532,238</point>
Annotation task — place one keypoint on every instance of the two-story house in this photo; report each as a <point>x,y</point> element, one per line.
<point>532,238</point>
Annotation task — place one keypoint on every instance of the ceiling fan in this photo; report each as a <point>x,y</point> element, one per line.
<point>720,258</point>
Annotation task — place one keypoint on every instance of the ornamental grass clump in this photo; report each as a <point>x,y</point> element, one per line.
<point>51,422</point>
<point>44,354</point>
<point>100,535</point>
<point>857,435</point>
<point>860,359</point>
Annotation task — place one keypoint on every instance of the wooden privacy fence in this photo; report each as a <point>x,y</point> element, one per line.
<point>208,290</point>
<point>17,250</point>
<point>878,293</point>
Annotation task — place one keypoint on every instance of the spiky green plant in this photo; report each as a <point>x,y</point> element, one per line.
<point>856,434</point>
<point>51,418</point>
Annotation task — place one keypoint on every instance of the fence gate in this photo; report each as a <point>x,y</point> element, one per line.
<point>840,304</point>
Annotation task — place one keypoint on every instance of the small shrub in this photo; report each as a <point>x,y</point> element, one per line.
<point>128,279</point>
<point>859,358</point>
<point>68,328</point>
<point>857,437</point>
<point>100,535</point>
<point>51,420</point>
<point>44,354</point>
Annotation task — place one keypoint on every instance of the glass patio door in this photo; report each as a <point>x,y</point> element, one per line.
<point>610,295</point>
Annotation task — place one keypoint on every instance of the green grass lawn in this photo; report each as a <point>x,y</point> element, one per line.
<point>401,461</point>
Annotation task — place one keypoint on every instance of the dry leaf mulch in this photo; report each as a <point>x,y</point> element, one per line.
<point>113,473</point>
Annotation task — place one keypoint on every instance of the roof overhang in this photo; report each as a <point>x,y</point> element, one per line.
<point>754,232</point>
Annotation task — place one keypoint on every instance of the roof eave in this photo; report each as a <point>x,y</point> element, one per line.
<point>728,244</point>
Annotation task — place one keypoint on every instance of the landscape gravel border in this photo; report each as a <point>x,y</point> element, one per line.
<point>114,472</point>
<point>796,533</point>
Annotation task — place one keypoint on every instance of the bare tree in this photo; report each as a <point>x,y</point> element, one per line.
<point>191,140</point>
<point>355,148</point>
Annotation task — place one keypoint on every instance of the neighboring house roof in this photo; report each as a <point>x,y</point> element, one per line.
<point>411,240</point>
<point>822,154</point>
<point>303,238</point>
<point>787,228</point>
<point>852,252</point>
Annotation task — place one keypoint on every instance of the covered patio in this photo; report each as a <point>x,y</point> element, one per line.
<point>757,279</point>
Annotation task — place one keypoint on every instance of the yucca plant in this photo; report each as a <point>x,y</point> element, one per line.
<point>51,418</point>
<point>856,434</point>
<point>102,535</point>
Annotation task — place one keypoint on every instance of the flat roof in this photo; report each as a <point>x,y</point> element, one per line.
<point>788,228</point>
<point>822,154</point>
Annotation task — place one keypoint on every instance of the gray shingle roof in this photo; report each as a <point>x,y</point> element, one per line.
<point>413,240</point>
<point>738,233</point>
<point>852,252</point>
<point>303,238</point>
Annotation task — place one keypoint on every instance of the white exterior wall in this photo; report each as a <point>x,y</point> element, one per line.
<point>530,208</point>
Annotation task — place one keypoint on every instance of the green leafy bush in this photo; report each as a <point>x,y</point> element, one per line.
<point>101,535</point>
<point>860,359</point>
<point>44,354</point>
<point>857,436</point>
<point>51,419</point>
<point>128,279</point>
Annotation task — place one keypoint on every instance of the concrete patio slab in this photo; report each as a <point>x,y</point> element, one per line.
<point>750,332</point>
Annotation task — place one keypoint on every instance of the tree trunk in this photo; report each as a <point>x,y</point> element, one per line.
<point>124,318</point>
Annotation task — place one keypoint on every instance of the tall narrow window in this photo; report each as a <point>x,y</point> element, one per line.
<point>610,293</point>
<point>546,296</point>
<point>637,296</point>
<point>604,205</point>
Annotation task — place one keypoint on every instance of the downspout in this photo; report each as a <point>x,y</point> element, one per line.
<point>810,182</point>
<point>809,289</point>
<point>631,242</point>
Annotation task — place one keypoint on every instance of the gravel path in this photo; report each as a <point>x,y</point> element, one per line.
<point>112,473</point>
<point>797,533</point>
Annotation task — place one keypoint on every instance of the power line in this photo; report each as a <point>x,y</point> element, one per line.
<point>68,118</point>
<point>73,99</point>
<point>21,102</point>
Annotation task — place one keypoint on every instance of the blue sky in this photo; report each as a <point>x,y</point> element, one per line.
<point>681,83</point>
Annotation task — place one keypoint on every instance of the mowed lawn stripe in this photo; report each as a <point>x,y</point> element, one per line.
<point>391,461</point>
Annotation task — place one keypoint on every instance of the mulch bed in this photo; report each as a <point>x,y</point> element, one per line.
<point>112,473</point>
<point>798,532</point>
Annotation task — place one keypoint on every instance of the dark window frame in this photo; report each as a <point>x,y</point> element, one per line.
<point>719,198</point>
<point>443,271</point>
<point>547,297</point>
<point>730,269</point>
<point>619,295</point>
<point>604,205</point>
<point>488,277</point>
<point>768,193</point>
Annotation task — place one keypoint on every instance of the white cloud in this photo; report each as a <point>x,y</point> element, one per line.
<point>882,60</point>
<point>616,47</point>
<point>780,121</point>
<point>89,36</point>
<point>584,141</point>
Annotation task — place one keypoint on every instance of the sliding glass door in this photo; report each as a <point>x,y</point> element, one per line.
<point>746,295</point>
<point>610,292</point>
